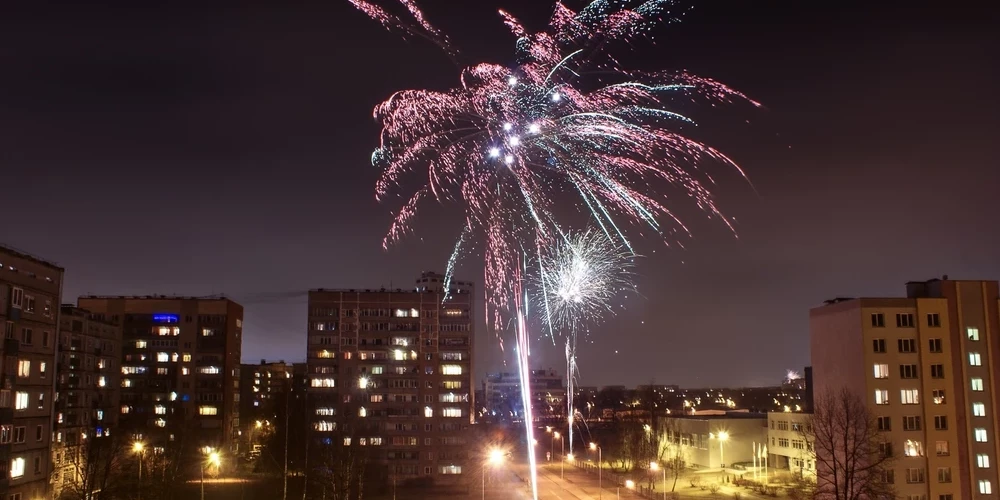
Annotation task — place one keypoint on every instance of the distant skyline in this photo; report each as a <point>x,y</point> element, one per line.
<point>195,151</point>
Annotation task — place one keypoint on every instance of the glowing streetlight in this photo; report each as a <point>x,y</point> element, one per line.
<point>630,484</point>
<point>137,448</point>
<point>260,424</point>
<point>653,466</point>
<point>600,469</point>
<point>556,435</point>
<point>212,457</point>
<point>493,459</point>
<point>722,436</point>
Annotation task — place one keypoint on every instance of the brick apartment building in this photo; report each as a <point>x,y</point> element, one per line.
<point>179,368</point>
<point>392,371</point>
<point>29,293</point>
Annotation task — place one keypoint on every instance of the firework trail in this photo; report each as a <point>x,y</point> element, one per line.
<point>577,279</point>
<point>524,371</point>
<point>509,144</point>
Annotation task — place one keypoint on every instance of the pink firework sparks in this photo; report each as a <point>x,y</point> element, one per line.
<point>510,144</point>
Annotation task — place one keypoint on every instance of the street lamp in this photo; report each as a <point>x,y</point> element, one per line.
<point>556,435</point>
<point>600,470</point>
<point>493,459</point>
<point>653,466</point>
<point>629,485</point>
<point>722,436</point>
<point>212,457</point>
<point>137,447</point>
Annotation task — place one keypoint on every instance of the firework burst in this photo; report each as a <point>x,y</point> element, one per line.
<point>509,143</point>
<point>578,277</point>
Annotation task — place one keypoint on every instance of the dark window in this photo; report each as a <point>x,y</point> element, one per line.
<point>904,320</point>
<point>937,371</point>
<point>884,424</point>
<point>935,345</point>
<point>878,345</point>
<point>933,319</point>
<point>907,371</point>
<point>878,320</point>
<point>941,422</point>
<point>907,345</point>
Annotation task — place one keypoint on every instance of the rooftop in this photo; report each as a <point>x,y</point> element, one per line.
<point>27,256</point>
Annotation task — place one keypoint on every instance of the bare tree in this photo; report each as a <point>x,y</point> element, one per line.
<point>670,453</point>
<point>852,457</point>
<point>93,466</point>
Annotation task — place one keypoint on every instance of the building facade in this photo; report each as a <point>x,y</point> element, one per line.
<point>927,366</point>
<point>29,293</point>
<point>391,371</point>
<point>179,368</point>
<point>88,390</point>
<point>711,441</point>
<point>790,443</point>
<point>260,384</point>
<point>502,393</point>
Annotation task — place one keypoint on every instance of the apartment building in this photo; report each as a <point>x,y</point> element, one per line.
<point>180,364</point>
<point>392,371</point>
<point>29,293</point>
<point>927,365</point>
<point>88,389</point>
<point>790,445</point>
<point>260,384</point>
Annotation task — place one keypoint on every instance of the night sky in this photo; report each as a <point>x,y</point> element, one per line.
<point>226,150</point>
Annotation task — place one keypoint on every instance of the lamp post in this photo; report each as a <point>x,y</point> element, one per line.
<point>629,485</point>
<point>600,470</point>
<point>494,459</point>
<point>137,447</point>
<point>562,454</point>
<point>211,458</point>
<point>653,466</point>
<point>722,436</point>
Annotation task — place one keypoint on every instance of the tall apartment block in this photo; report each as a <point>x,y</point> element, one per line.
<point>29,293</point>
<point>927,365</point>
<point>259,386</point>
<point>392,370</point>
<point>179,368</point>
<point>502,394</point>
<point>88,389</point>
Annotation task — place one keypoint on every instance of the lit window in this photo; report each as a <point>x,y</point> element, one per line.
<point>186,357</point>
<point>428,412</point>
<point>881,397</point>
<point>173,396</point>
<point>324,382</point>
<point>208,410</point>
<point>163,371</point>
<point>973,333</point>
<point>983,461</point>
<point>451,369</point>
<point>978,410</point>
<point>326,412</point>
<point>187,371</point>
<point>980,434</point>
<point>909,396</point>
<point>451,397</point>
<point>414,313</point>
<point>985,488</point>
<point>207,332</point>
<point>42,368</point>
<point>21,401</point>
<point>325,426</point>
<point>209,370</point>
<point>975,359</point>
<point>160,422</point>
<point>160,410</point>
<point>324,354</point>
<point>882,371</point>
<point>399,355</point>
<point>977,384</point>
<point>174,357</point>
<point>450,469</point>
<point>126,409</point>
<point>377,370</point>
<point>362,412</point>
<point>162,357</point>
<point>126,382</point>
<point>402,313</point>
<point>451,412</point>
<point>453,312</point>
<point>102,381</point>
<point>347,441</point>
<point>24,368</point>
<point>913,448</point>
<point>17,468</point>
<point>452,384</point>
<point>100,414</point>
<point>140,344</point>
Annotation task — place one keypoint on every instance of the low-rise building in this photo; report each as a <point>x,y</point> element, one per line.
<point>502,392</point>
<point>714,441</point>
<point>789,444</point>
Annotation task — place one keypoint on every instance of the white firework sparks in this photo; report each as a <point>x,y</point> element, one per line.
<point>579,277</point>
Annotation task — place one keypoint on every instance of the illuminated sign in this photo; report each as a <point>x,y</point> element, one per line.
<point>166,318</point>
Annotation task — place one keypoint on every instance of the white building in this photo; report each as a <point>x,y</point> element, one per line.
<point>789,446</point>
